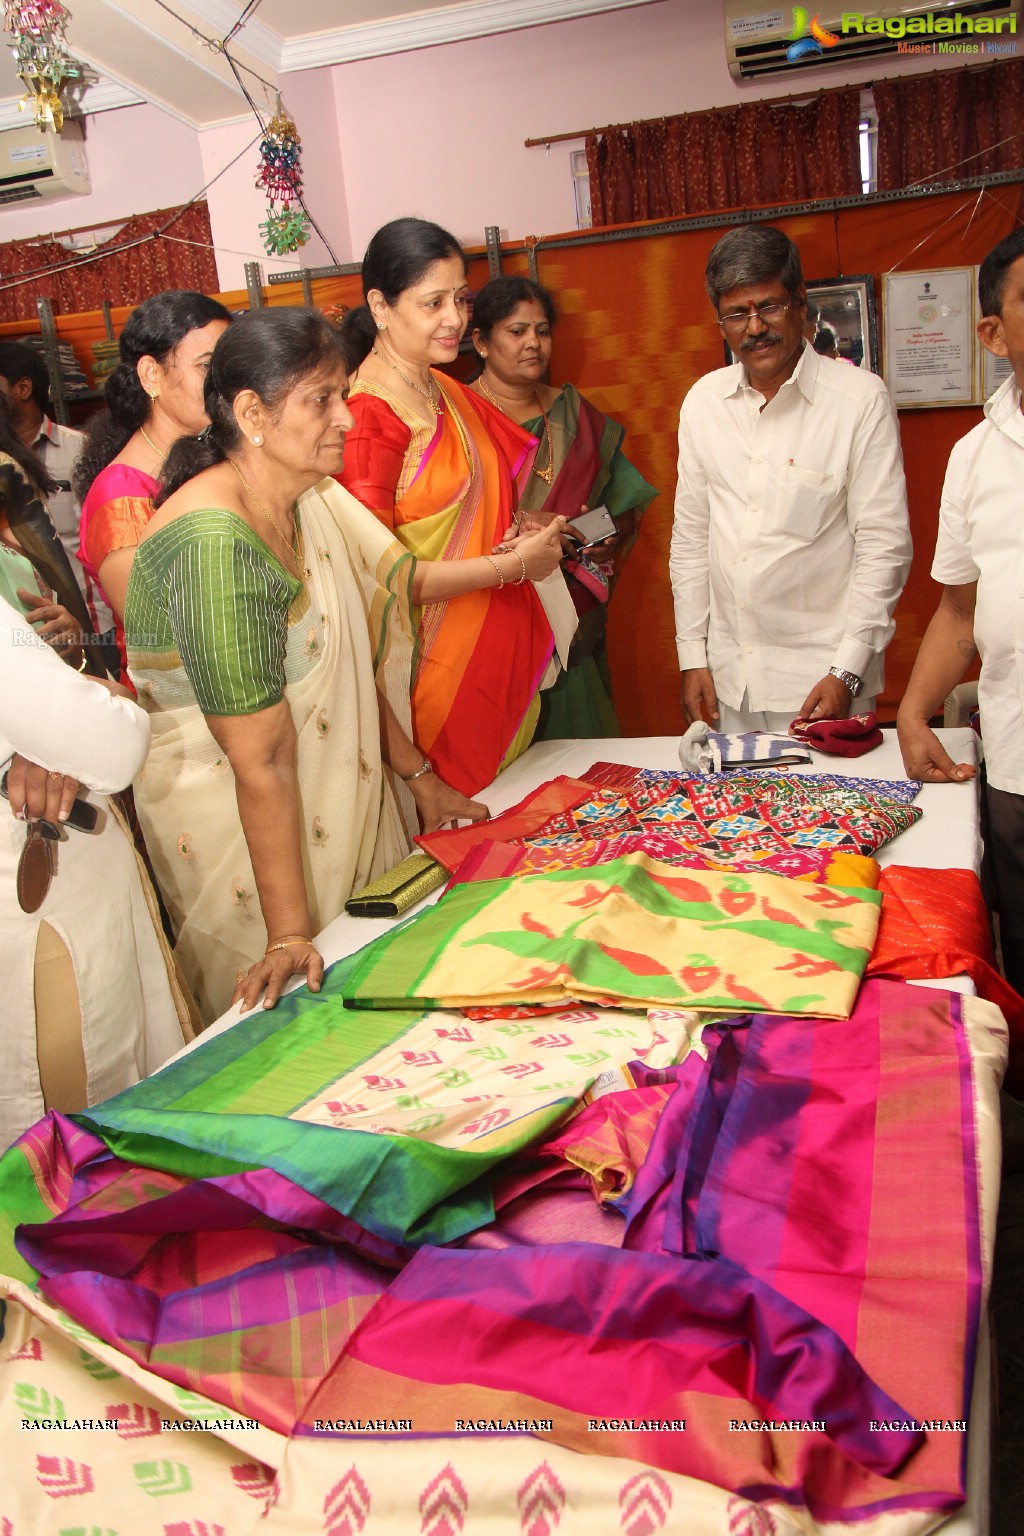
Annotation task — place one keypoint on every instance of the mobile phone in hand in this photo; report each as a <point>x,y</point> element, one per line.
<point>592,527</point>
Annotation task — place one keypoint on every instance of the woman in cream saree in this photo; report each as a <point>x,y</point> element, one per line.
<point>349,618</point>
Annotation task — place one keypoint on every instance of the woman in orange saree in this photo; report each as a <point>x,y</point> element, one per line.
<point>443,469</point>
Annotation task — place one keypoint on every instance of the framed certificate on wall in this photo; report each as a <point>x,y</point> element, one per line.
<point>929,352</point>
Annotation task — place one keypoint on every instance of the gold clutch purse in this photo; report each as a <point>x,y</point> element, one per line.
<point>394,893</point>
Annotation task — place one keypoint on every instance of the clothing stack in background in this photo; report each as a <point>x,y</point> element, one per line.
<point>71,371</point>
<point>107,357</point>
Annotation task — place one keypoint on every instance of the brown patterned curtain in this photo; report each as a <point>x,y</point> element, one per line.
<point>172,248</point>
<point>950,126</point>
<point>733,157</point>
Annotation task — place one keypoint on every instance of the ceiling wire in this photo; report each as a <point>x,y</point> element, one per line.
<point>220,46</point>
<point>243,18</point>
<point>215,44</point>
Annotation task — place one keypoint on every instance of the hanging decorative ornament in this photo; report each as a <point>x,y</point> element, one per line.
<point>41,57</point>
<point>280,176</point>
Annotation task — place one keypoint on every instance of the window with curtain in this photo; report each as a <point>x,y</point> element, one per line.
<point>731,157</point>
<point>943,126</point>
<point>951,125</point>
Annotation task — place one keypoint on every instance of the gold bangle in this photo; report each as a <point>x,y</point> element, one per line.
<point>522,562</point>
<point>84,661</point>
<point>497,568</point>
<point>285,944</point>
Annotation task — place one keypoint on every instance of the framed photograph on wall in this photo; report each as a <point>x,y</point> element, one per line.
<point>929,336</point>
<point>846,308</point>
<point>842,320</point>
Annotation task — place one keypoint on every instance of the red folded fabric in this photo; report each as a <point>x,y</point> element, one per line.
<point>450,846</point>
<point>934,923</point>
<point>851,736</point>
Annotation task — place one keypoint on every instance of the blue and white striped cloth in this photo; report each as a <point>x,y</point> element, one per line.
<point>702,750</point>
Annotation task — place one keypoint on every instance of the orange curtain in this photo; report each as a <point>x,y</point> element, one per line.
<point>172,248</point>
<point>761,152</point>
<point>950,126</point>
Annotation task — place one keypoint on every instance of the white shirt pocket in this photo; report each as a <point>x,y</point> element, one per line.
<point>804,500</point>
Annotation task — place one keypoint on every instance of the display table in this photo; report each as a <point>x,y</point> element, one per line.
<point>948,836</point>
<point>434,1481</point>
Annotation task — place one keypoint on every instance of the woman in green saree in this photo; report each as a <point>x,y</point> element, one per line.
<point>263,604</point>
<point>579,463</point>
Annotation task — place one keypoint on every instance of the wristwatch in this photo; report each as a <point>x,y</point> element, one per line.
<point>425,767</point>
<point>848,679</point>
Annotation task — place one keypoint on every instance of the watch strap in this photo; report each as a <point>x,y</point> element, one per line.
<point>848,679</point>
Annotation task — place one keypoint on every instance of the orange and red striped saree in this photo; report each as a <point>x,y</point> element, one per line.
<point>449,491</point>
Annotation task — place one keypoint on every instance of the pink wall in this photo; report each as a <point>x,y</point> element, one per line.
<point>437,132</point>
<point>139,159</point>
<point>440,132</point>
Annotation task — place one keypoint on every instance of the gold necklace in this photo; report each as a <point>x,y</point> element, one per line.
<point>160,456</point>
<point>547,474</point>
<point>264,512</point>
<point>435,405</point>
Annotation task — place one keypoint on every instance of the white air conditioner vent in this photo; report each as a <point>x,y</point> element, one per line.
<point>767,39</point>
<point>36,165</point>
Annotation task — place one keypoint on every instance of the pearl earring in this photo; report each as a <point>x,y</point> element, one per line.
<point>257,441</point>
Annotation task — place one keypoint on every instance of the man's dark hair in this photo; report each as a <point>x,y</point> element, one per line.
<point>753,253</point>
<point>993,273</point>
<point>18,360</point>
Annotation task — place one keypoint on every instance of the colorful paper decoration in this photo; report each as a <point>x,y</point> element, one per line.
<point>41,57</point>
<point>280,176</point>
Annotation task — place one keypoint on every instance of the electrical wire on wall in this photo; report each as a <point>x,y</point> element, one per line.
<point>113,248</point>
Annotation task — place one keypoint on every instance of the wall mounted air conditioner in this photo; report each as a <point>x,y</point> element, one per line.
<point>36,165</point>
<point>768,39</point>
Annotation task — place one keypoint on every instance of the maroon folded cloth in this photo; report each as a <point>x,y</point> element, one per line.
<point>851,736</point>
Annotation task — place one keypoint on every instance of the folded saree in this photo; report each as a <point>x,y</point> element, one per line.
<point>635,932</point>
<point>450,845</point>
<point>744,814</point>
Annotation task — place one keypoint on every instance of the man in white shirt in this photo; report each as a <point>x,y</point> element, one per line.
<point>790,544</point>
<point>979,559</point>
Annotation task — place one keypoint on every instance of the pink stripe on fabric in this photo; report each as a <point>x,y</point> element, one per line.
<point>431,447</point>
<point>969,1133</point>
<point>830,1195</point>
<point>521,458</point>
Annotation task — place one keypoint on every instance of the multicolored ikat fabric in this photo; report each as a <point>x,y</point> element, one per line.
<point>745,815</point>
<point>769,820</point>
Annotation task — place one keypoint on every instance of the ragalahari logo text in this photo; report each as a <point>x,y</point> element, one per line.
<point>928,32</point>
<point>810,38</point>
